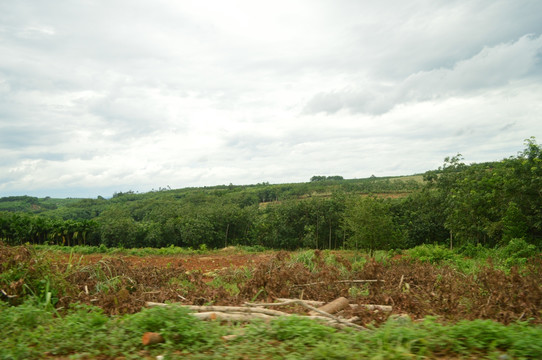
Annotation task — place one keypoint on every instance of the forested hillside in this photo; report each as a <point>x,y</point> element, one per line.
<point>457,204</point>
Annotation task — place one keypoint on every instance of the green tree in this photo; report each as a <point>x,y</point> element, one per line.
<point>514,224</point>
<point>118,228</point>
<point>421,215</point>
<point>488,203</point>
<point>370,224</point>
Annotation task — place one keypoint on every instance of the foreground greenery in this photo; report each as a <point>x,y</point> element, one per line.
<point>37,331</point>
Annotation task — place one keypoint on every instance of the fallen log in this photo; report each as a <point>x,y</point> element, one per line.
<point>333,307</point>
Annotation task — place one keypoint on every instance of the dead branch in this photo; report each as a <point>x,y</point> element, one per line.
<point>154,304</point>
<point>7,295</point>
<point>237,309</point>
<point>384,308</point>
<point>310,302</point>
<point>339,282</point>
<point>224,309</point>
<point>284,303</point>
<point>217,315</point>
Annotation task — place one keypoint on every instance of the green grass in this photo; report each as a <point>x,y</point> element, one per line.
<point>170,250</point>
<point>30,331</point>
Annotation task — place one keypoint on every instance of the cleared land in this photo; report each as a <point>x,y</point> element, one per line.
<point>122,284</point>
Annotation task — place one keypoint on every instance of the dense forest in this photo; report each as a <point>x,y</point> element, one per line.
<point>457,204</point>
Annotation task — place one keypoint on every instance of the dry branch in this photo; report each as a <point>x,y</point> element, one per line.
<point>7,295</point>
<point>154,304</point>
<point>284,303</point>
<point>309,302</point>
<point>384,308</point>
<point>224,309</point>
<point>217,315</point>
<point>401,282</point>
<point>339,282</point>
<point>316,303</point>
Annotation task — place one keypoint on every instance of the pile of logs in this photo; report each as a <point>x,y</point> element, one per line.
<point>317,310</point>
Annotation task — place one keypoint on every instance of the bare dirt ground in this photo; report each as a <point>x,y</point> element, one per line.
<point>203,263</point>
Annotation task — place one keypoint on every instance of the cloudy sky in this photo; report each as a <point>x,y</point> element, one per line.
<point>118,95</point>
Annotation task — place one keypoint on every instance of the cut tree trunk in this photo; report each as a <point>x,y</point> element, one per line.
<point>333,307</point>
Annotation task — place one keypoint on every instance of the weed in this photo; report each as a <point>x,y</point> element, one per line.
<point>102,274</point>
<point>307,258</point>
<point>231,288</point>
<point>360,291</point>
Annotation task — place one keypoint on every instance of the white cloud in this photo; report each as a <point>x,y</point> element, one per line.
<point>96,99</point>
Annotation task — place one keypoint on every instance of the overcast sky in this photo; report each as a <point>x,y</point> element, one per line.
<point>118,95</point>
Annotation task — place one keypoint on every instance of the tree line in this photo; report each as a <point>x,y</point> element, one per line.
<point>457,205</point>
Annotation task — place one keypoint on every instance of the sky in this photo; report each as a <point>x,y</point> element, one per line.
<point>98,97</point>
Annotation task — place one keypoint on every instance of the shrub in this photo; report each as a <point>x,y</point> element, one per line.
<point>433,254</point>
<point>516,252</point>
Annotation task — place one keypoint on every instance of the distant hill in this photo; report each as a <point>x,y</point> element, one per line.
<point>245,195</point>
<point>32,204</point>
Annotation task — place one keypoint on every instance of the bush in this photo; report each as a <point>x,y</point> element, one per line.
<point>433,254</point>
<point>474,251</point>
<point>516,252</point>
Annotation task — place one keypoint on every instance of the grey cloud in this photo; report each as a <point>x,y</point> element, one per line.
<point>15,136</point>
<point>425,35</point>
<point>357,101</point>
<point>126,115</point>
<point>508,126</point>
<point>492,67</point>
